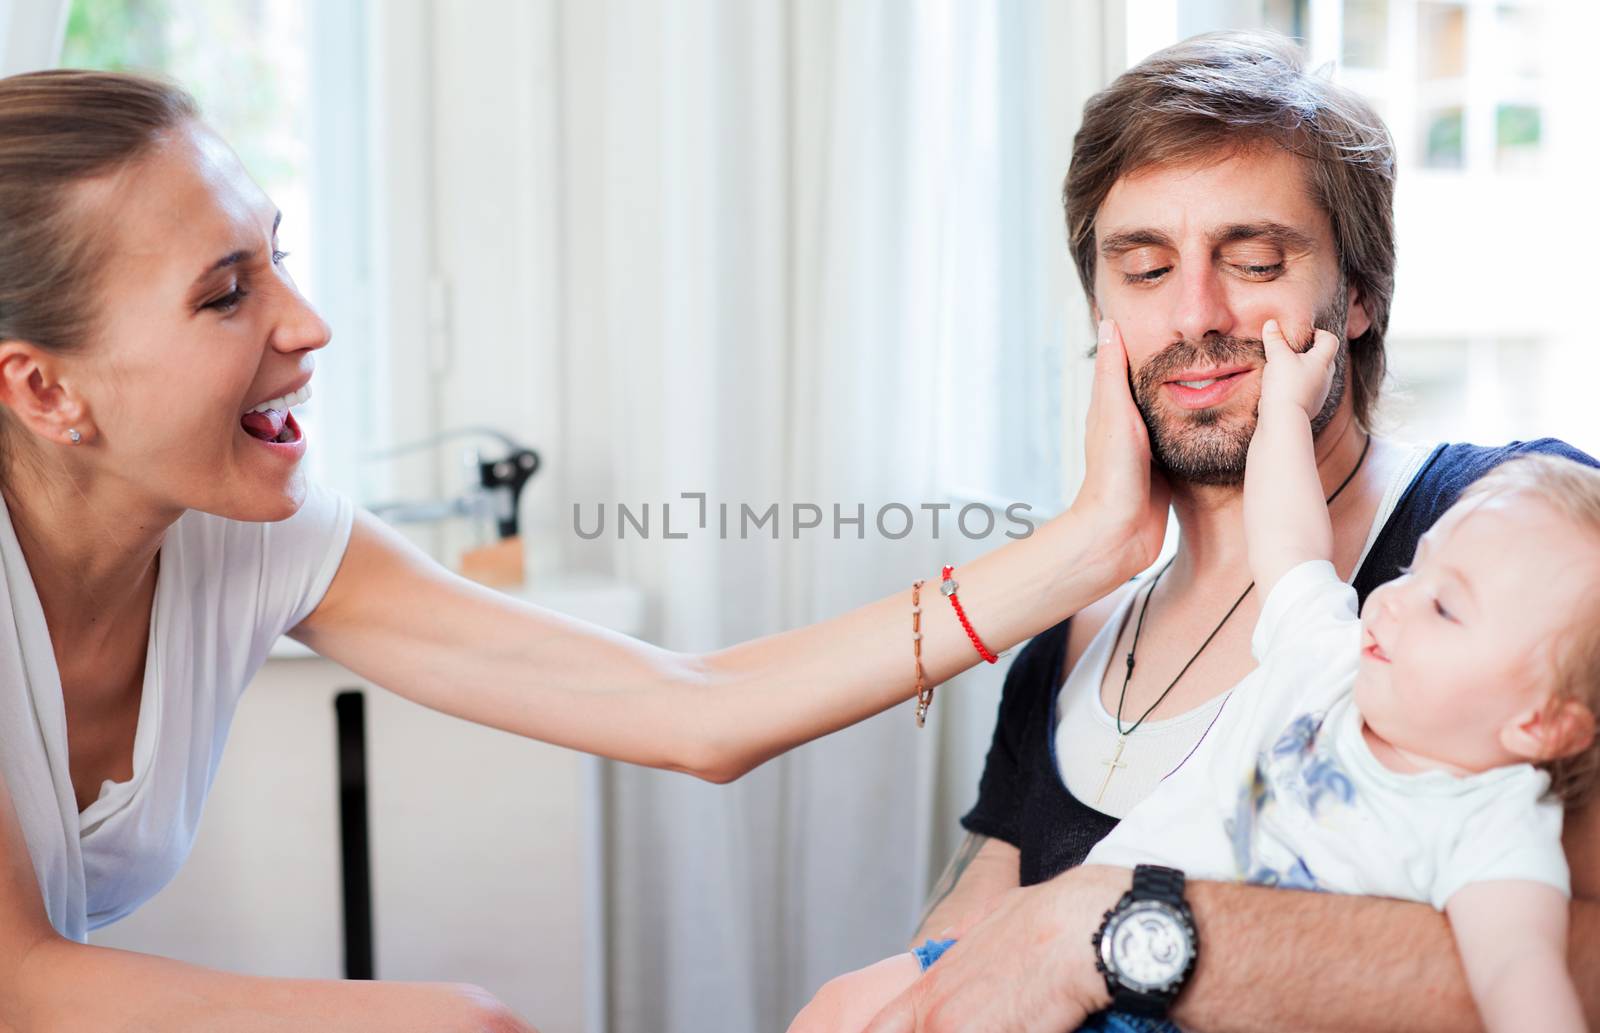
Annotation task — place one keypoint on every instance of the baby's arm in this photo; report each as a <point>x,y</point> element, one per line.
<point>1512,936</point>
<point>1285,516</point>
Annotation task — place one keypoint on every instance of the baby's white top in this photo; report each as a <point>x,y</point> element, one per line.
<point>1086,734</point>
<point>225,590</point>
<point>1286,792</point>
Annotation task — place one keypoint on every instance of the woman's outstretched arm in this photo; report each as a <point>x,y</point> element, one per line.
<point>68,987</point>
<point>396,617</point>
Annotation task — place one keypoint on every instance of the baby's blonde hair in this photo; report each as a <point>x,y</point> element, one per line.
<point>1573,491</point>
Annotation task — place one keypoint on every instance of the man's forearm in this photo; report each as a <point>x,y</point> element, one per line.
<point>1272,960</point>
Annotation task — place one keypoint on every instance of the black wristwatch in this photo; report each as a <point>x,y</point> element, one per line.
<point>1147,945</point>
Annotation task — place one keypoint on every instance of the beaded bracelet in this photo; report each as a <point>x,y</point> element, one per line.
<point>948,586</point>
<point>924,692</point>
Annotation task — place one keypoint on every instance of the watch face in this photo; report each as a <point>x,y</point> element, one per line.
<point>1147,945</point>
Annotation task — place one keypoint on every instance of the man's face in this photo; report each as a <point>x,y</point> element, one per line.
<point>1191,261</point>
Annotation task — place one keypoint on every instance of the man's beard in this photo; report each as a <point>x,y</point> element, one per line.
<point>1209,446</point>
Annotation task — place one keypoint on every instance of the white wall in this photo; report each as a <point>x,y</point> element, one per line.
<point>30,34</point>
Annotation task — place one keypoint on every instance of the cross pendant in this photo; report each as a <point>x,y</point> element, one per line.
<point>1112,764</point>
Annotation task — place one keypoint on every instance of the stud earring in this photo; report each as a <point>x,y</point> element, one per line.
<point>74,436</point>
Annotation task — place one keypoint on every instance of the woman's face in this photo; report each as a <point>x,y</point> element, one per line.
<point>198,324</point>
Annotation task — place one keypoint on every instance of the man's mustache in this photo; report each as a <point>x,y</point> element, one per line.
<point>1184,355</point>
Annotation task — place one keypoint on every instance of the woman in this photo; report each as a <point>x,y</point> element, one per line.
<point>158,536</point>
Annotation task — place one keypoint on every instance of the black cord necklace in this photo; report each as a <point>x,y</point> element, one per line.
<point>1145,606</point>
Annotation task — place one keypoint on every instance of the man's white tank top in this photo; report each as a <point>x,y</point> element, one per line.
<point>1086,733</point>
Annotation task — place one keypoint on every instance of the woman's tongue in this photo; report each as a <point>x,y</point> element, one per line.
<point>266,425</point>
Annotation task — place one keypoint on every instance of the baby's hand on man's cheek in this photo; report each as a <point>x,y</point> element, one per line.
<point>1296,377</point>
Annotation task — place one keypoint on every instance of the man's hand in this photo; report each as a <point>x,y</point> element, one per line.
<point>1297,378</point>
<point>1026,968</point>
<point>1122,490</point>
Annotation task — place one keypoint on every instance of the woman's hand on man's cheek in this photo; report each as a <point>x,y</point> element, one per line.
<point>1123,495</point>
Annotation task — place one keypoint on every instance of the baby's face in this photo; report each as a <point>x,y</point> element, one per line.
<point>1459,648</point>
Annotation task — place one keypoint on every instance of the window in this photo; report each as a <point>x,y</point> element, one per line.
<point>1485,338</point>
<point>292,103</point>
<point>1005,329</point>
<point>1366,34</point>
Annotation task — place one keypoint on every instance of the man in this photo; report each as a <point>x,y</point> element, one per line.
<point>1212,187</point>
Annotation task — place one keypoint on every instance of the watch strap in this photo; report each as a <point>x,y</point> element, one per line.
<point>1136,1002</point>
<point>1153,882</point>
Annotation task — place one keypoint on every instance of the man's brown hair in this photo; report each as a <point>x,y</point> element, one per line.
<point>1217,93</point>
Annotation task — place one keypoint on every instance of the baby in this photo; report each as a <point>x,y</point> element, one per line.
<point>1422,751</point>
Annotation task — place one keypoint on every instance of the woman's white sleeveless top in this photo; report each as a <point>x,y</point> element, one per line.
<point>225,591</point>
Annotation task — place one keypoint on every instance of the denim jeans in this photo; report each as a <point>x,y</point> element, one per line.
<point>1122,1022</point>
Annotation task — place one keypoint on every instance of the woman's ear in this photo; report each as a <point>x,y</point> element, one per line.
<point>34,392</point>
<point>1560,728</point>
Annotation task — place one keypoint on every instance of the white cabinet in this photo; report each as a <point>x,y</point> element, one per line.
<point>483,845</point>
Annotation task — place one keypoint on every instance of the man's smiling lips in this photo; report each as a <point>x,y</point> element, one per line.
<point>1202,389</point>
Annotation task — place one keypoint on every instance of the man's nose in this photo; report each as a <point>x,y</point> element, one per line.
<point>1202,306</point>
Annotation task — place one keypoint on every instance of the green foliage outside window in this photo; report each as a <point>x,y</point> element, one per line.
<point>230,54</point>
<point>116,35</point>
<point>1517,125</point>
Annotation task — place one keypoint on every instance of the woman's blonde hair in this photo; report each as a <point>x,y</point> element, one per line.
<point>59,129</point>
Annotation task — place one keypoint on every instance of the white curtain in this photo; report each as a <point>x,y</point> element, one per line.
<point>788,226</point>
<point>31,32</point>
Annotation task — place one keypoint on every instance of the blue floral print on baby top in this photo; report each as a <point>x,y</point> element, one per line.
<point>1292,773</point>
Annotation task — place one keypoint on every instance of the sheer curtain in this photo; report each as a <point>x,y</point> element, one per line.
<point>787,226</point>
<point>810,252</point>
<point>31,32</point>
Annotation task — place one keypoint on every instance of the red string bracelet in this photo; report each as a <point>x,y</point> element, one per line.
<point>948,587</point>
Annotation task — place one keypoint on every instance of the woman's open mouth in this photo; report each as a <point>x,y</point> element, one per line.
<point>273,423</point>
<point>275,427</point>
<point>1207,391</point>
